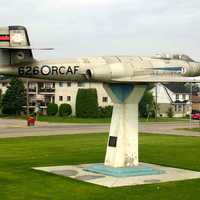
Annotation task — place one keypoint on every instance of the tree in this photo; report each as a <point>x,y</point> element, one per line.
<point>65,110</point>
<point>86,103</point>
<point>15,97</point>
<point>52,109</point>
<point>192,86</point>
<point>146,105</point>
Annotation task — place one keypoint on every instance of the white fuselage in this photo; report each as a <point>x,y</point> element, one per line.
<point>110,69</point>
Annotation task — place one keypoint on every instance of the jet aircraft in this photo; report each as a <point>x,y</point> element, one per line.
<point>16,58</point>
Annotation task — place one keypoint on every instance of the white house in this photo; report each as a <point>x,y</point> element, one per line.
<point>174,95</point>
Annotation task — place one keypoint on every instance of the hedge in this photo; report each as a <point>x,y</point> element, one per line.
<point>86,103</point>
<point>105,112</point>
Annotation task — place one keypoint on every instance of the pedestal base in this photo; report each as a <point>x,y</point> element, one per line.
<point>140,170</point>
<point>78,172</point>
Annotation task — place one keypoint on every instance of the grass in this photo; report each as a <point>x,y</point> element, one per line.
<point>163,119</point>
<point>98,120</point>
<point>19,182</point>
<point>59,119</point>
<point>189,129</point>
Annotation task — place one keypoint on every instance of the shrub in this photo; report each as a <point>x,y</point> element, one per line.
<point>170,112</point>
<point>105,112</point>
<point>52,109</point>
<point>65,110</point>
<point>86,103</point>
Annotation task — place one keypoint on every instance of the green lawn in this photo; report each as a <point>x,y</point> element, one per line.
<point>59,119</point>
<point>163,119</point>
<point>189,129</point>
<point>99,120</point>
<point>19,182</point>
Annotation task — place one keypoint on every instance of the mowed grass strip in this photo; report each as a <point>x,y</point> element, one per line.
<point>58,119</point>
<point>189,129</point>
<point>18,181</point>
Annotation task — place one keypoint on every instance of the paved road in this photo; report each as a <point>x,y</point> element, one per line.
<point>18,128</point>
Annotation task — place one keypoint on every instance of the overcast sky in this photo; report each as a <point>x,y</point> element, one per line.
<point>107,27</point>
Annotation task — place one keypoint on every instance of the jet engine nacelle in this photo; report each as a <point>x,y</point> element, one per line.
<point>192,71</point>
<point>107,72</point>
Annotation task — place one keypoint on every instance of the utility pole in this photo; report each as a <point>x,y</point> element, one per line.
<point>190,105</point>
<point>156,109</point>
<point>27,97</point>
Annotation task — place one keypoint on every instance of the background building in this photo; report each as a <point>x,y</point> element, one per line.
<point>65,92</point>
<point>174,95</point>
<point>196,103</point>
<point>41,92</point>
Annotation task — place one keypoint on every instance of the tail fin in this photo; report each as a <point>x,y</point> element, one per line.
<point>14,46</point>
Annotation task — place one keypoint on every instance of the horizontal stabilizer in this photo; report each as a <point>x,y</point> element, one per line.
<point>24,48</point>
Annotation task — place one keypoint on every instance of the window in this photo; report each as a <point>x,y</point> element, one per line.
<point>105,99</point>
<point>184,97</point>
<point>180,108</point>
<point>177,96</point>
<point>68,84</point>
<point>47,85</point>
<point>176,108</point>
<point>68,98</point>
<point>184,107</point>
<point>61,84</point>
<point>60,98</point>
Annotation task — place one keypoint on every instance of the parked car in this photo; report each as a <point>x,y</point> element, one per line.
<point>196,116</point>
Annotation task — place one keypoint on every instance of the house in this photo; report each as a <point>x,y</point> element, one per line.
<point>196,103</point>
<point>174,95</point>
<point>41,92</point>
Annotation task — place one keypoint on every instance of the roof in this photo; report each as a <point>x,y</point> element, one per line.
<point>177,88</point>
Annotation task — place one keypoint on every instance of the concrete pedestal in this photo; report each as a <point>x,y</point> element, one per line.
<point>122,147</point>
<point>143,174</point>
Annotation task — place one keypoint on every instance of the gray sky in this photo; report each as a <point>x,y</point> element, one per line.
<point>107,27</point>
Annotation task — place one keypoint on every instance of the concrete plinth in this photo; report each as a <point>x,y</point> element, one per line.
<point>140,170</point>
<point>78,172</point>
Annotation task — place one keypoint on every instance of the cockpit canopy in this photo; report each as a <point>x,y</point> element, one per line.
<point>174,57</point>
